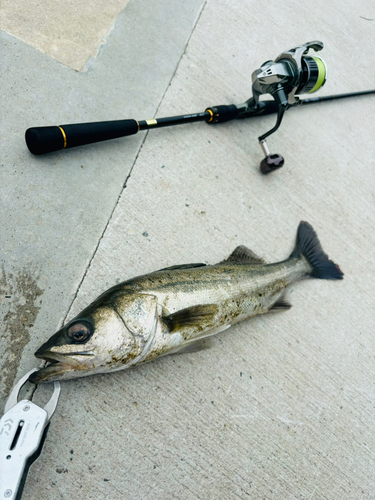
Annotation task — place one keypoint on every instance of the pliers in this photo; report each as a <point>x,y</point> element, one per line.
<point>23,429</point>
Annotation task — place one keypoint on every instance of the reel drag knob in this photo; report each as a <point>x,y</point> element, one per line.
<point>271,163</point>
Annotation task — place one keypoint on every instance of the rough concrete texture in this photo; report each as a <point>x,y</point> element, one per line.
<point>282,406</point>
<point>69,31</point>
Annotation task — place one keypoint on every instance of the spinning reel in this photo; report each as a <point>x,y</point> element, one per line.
<point>293,73</point>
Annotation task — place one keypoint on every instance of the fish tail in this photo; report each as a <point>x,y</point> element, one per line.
<point>308,245</point>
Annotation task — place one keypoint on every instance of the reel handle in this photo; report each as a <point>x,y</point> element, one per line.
<point>42,140</point>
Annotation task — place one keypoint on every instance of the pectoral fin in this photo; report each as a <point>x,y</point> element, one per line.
<point>191,316</point>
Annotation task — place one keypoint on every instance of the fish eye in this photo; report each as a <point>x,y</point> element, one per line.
<point>79,332</point>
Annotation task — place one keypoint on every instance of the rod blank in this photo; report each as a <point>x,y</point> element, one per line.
<point>41,140</point>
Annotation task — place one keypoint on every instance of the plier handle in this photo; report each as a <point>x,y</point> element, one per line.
<point>23,429</point>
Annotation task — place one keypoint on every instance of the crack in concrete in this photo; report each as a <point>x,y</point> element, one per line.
<point>133,165</point>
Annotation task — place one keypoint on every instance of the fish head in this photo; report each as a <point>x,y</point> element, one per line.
<point>95,341</point>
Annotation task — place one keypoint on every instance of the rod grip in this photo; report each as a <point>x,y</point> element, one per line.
<point>41,140</point>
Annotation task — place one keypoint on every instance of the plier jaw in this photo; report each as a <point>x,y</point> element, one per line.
<point>23,429</point>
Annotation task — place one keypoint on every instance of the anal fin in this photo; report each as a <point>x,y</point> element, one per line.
<point>281,304</point>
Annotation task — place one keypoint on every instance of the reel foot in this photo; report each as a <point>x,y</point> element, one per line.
<point>271,163</point>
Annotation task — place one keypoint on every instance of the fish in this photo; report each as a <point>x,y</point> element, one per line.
<point>174,309</point>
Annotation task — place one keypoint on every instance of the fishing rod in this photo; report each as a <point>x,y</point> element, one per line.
<point>292,73</point>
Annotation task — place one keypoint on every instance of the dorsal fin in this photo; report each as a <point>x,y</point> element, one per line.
<point>243,255</point>
<point>181,266</point>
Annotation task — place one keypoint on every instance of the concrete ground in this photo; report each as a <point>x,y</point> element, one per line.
<point>282,406</point>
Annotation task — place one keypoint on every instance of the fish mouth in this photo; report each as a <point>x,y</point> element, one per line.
<point>60,365</point>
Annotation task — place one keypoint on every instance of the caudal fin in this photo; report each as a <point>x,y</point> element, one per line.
<point>309,246</point>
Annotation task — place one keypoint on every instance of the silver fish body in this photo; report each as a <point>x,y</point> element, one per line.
<point>173,309</point>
